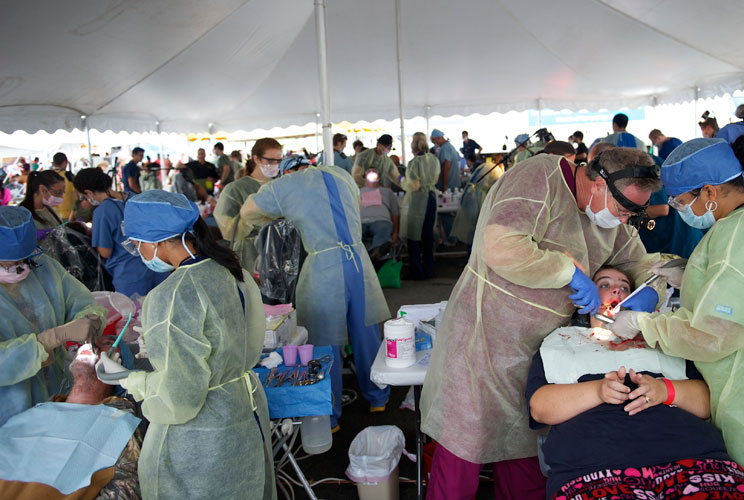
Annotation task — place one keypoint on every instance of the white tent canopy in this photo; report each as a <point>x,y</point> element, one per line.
<point>194,66</point>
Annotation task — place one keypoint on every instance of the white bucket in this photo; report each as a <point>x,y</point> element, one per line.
<point>400,343</point>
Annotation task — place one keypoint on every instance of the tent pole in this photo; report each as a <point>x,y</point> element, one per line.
<point>161,173</point>
<point>87,135</point>
<point>317,132</point>
<point>696,128</point>
<point>325,91</point>
<point>427,112</point>
<point>400,84</point>
<point>539,113</point>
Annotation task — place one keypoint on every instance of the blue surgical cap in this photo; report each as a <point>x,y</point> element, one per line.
<point>521,138</point>
<point>158,215</point>
<point>699,162</point>
<point>293,161</point>
<point>437,133</point>
<point>17,233</point>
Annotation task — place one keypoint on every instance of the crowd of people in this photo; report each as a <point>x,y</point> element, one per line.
<point>556,232</point>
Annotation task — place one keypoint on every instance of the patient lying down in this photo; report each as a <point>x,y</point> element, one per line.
<point>619,429</point>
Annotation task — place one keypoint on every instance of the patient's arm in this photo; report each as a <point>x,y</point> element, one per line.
<point>556,403</point>
<point>690,395</point>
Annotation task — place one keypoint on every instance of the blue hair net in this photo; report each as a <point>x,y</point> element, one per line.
<point>699,162</point>
<point>293,161</point>
<point>157,215</point>
<point>17,233</point>
<point>521,138</point>
<point>437,133</point>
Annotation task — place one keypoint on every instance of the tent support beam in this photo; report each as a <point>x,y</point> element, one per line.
<point>427,113</point>
<point>87,136</point>
<point>400,84</point>
<point>325,91</point>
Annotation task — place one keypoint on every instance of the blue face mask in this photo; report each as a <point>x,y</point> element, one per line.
<point>156,264</point>
<point>697,221</point>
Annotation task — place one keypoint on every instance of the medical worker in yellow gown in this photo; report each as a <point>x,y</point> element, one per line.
<point>704,181</point>
<point>204,326</point>
<point>542,229</point>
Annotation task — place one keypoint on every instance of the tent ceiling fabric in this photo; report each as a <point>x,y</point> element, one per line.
<point>252,64</point>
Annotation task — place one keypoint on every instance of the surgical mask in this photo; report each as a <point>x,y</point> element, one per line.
<point>156,264</point>
<point>52,201</point>
<point>604,217</point>
<point>698,221</point>
<point>93,202</point>
<point>12,275</point>
<point>269,171</point>
<point>386,150</point>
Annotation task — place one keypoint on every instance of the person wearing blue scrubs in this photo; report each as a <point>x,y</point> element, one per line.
<point>130,276</point>
<point>733,131</point>
<point>620,137</point>
<point>42,306</point>
<point>338,293</point>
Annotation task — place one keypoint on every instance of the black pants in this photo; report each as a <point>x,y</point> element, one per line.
<point>423,249</point>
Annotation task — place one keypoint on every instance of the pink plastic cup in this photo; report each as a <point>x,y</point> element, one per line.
<point>289,353</point>
<point>306,353</point>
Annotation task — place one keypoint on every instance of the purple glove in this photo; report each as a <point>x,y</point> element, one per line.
<point>42,233</point>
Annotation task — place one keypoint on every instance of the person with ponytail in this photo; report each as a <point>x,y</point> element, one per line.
<point>129,275</point>
<point>45,190</point>
<point>203,330</point>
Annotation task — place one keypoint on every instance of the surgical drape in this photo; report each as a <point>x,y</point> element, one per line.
<point>226,213</point>
<point>48,297</point>
<point>204,440</point>
<point>512,293</point>
<point>421,176</point>
<point>708,328</point>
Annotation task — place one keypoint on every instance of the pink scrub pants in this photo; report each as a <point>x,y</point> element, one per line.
<point>453,478</point>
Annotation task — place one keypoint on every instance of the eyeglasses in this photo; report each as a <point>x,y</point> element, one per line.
<point>131,246</point>
<point>677,204</point>
<point>271,161</point>
<point>54,192</point>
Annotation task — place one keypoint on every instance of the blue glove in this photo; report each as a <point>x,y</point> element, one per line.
<point>644,301</point>
<point>586,294</point>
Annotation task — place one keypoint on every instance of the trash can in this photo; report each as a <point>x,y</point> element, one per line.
<point>373,462</point>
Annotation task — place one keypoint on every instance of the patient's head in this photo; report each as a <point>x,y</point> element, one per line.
<point>613,285</point>
<point>86,388</point>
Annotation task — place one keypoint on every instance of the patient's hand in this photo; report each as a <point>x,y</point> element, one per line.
<point>612,390</point>
<point>650,392</point>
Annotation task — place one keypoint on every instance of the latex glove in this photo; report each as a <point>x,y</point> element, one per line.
<point>79,330</point>
<point>141,343</point>
<point>645,301</point>
<point>673,275</point>
<point>586,294</point>
<point>626,324</point>
<point>112,365</point>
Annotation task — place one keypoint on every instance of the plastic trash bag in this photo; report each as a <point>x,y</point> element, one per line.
<point>374,453</point>
<point>278,263</point>
<point>72,249</point>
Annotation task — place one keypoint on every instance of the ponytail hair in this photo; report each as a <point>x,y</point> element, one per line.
<point>207,246</point>
<point>35,180</point>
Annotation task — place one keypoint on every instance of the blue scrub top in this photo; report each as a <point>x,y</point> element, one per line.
<point>124,267</point>
<point>667,147</point>
<point>671,234</point>
<point>448,152</point>
<point>731,132</point>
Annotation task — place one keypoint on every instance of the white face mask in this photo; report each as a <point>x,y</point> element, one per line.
<point>52,201</point>
<point>269,170</point>
<point>604,217</point>
<point>12,275</point>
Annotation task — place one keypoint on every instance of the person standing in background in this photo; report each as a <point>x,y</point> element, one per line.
<point>130,173</point>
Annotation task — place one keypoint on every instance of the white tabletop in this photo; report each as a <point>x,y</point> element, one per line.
<point>383,375</point>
